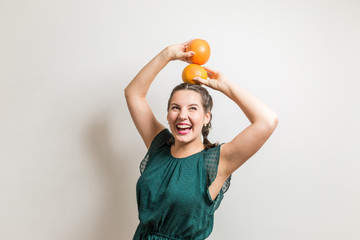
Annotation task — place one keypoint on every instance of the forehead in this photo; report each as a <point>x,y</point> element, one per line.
<point>186,97</point>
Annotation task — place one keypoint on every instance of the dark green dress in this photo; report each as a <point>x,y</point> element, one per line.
<point>172,193</point>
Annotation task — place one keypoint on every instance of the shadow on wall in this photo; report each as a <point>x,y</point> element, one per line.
<point>117,210</point>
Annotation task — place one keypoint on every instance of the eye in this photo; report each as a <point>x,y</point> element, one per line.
<point>174,107</point>
<point>193,108</point>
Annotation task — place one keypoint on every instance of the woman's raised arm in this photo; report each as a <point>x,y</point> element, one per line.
<point>263,122</point>
<point>146,123</point>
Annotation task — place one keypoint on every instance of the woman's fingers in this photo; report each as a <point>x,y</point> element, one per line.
<point>209,70</point>
<point>184,56</point>
<point>189,54</point>
<point>188,42</point>
<point>201,80</point>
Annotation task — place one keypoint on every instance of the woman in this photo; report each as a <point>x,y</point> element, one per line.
<point>184,178</point>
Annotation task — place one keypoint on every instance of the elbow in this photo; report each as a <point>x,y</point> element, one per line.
<point>131,92</point>
<point>273,124</point>
<point>275,121</point>
<point>128,92</point>
<point>270,124</point>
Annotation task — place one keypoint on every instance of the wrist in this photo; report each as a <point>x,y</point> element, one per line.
<point>226,87</point>
<point>166,54</point>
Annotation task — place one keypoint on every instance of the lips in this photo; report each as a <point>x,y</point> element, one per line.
<point>183,128</point>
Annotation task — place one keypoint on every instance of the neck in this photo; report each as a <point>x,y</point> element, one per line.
<point>186,149</point>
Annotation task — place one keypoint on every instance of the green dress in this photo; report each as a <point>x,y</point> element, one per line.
<point>172,193</point>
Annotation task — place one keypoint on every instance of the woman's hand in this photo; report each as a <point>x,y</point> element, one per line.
<point>178,52</point>
<point>216,80</point>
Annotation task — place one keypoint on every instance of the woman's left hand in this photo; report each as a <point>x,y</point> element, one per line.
<point>216,80</point>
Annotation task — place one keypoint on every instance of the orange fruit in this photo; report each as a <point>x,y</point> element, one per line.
<point>191,71</point>
<point>201,49</point>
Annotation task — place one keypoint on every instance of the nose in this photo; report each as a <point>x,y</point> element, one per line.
<point>183,115</point>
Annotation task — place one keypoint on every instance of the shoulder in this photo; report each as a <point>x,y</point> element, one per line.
<point>213,160</point>
<point>160,139</point>
<point>213,153</point>
<point>159,142</point>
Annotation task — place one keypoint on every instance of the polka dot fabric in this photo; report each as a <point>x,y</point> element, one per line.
<point>172,193</point>
<point>211,161</point>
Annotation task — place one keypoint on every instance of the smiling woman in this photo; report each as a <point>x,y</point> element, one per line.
<point>184,178</point>
<point>189,108</point>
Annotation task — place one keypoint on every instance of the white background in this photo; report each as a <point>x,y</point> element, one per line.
<point>70,154</point>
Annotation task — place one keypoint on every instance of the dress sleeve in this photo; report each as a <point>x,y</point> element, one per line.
<point>211,165</point>
<point>211,160</point>
<point>159,140</point>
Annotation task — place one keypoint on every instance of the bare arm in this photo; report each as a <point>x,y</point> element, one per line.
<point>146,123</point>
<point>263,123</point>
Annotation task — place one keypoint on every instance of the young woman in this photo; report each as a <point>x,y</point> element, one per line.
<point>184,178</point>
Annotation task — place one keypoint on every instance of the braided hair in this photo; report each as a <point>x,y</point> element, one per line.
<point>207,103</point>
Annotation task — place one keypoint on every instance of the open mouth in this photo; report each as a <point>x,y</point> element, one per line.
<point>183,128</point>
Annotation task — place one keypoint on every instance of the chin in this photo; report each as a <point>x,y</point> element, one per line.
<point>188,138</point>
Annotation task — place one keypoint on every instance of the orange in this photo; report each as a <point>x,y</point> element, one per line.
<point>201,49</point>
<point>191,71</point>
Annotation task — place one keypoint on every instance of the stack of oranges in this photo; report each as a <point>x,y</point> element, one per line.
<point>202,54</point>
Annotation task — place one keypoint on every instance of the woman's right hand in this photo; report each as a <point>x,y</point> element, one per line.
<point>178,52</point>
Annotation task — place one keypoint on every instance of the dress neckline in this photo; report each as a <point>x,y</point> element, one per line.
<point>190,156</point>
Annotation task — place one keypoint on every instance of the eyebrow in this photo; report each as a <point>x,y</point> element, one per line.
<point>193,104</point>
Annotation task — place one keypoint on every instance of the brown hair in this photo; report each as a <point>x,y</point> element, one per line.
<point>207,104</point>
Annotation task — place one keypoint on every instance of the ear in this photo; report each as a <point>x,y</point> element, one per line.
<point>207,117</point>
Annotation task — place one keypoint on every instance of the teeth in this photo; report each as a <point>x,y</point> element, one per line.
<point>183,126</point>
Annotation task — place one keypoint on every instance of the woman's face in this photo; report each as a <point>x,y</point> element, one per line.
<point>186,116</point>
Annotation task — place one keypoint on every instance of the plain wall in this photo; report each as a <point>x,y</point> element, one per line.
<point>70,154</point>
